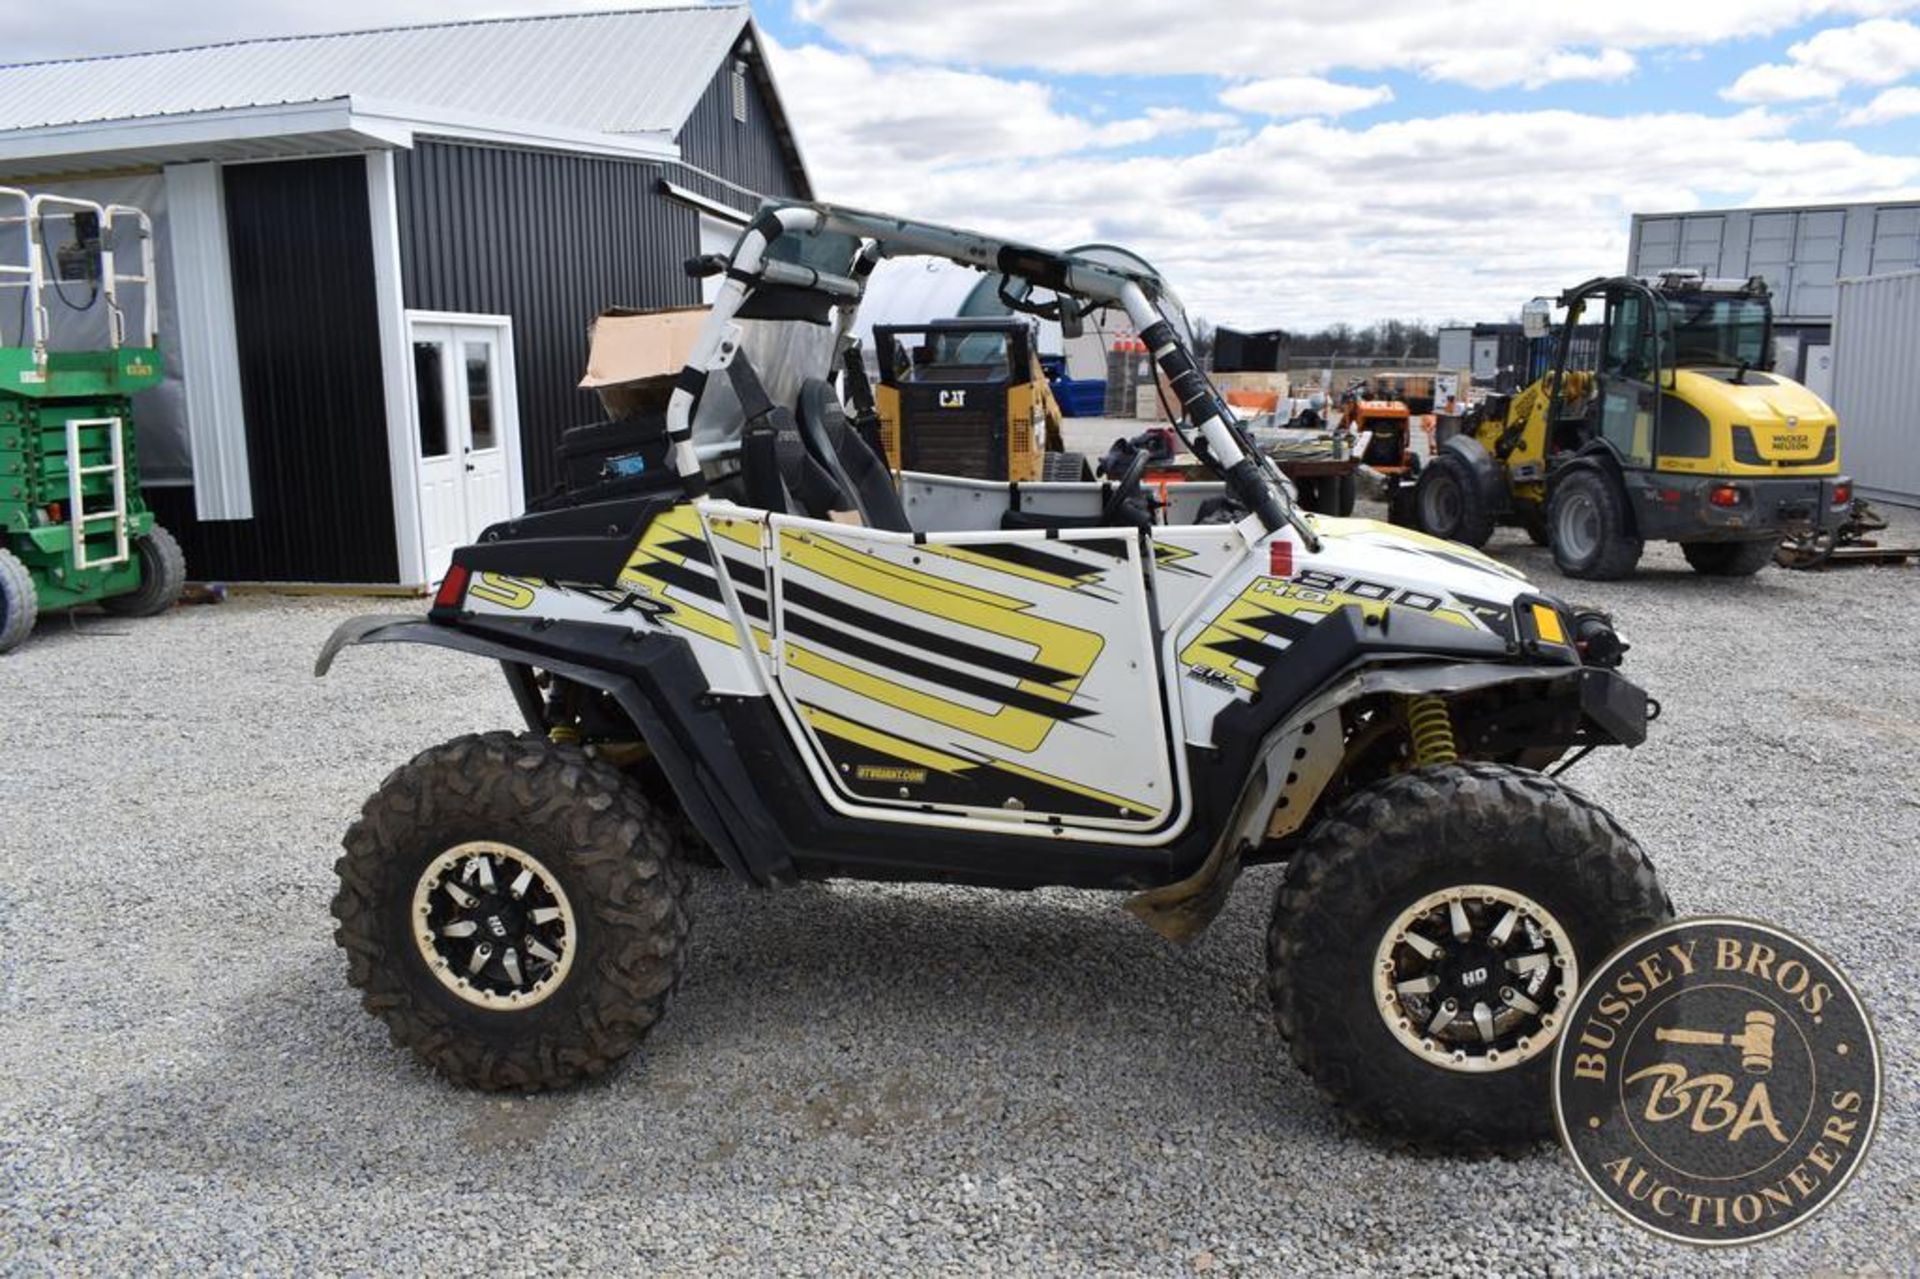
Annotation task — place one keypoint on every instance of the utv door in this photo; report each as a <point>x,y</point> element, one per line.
<point>974,679</point>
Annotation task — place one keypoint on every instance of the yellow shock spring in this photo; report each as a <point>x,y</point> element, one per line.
<point>1431,728</point>
<point>564,735</point>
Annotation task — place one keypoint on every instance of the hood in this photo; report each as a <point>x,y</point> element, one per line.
<point>1759,400</point>
<point>1406,557</point>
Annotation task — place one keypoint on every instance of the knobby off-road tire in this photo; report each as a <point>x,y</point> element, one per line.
<point>19,602</point>
<point>605,848</point>
<point>1450,503</point>
<point>1381,852</point>
<point>1589,529</point>
<point>1729,559</point>
<point>163,575</point>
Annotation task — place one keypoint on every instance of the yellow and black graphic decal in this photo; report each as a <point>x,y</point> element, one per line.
<point>1168,558</point>
<point>1256,626</point>
<point>875,765</point>
<point>871,625</point>
<point>673,566</point>
<point>1037,564</point>
<point>516,593</point>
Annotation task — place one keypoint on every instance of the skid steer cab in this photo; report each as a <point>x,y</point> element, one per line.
<point>967,398</point>
<point>787,659</point>
<point>1680,432</point>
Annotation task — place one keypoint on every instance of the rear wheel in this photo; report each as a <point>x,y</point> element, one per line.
<point>163,575</point>
<point>1429,938</point>
<point>1451,504</point>
<point>1534,523</point>
<point>1729,559</point>
<point>19,602</point>
<point>513,911</point>
<point>1587,527</point>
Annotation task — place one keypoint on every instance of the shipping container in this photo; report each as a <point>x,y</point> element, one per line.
<point>1876,384</point>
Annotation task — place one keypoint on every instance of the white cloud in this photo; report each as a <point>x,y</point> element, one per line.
<point>1489,44</point>
<point>1890,104</point>
<point>1305,221</point>
<point>1879,51</point>
<point>896,118</point>
<point>1304,95</point>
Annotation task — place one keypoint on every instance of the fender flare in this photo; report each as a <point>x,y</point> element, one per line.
<point>1487,474</point>
<point>658,669</point>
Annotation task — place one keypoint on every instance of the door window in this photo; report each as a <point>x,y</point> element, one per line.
<point>479,361</point>
<point>430,405</point>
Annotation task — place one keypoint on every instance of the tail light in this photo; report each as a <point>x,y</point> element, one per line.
<point>453,589</point>
<point>1842,493</point>
<point>1724,495</point>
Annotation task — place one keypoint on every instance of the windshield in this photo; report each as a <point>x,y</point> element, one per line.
<point>1708,331</point>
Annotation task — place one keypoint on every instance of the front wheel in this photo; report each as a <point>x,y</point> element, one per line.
<point>1428,941</point>
<point>1729,559</point>
<point>513,911</point>
<point>1589,529</point>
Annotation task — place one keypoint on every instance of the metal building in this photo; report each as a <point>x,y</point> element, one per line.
<point>1876,384</point>
<point>1802,252</point>
<point>380,252</point>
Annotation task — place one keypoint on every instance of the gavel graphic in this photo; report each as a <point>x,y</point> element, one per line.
<point>1755,1042</point>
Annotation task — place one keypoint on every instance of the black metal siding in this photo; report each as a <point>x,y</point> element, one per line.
<point>551,240</point>
<point>301,247</point>
<point>747,154</point>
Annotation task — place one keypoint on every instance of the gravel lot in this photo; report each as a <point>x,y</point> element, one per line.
<point>854,1077</point>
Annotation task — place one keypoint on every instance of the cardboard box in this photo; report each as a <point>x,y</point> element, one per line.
<point>633,356</point>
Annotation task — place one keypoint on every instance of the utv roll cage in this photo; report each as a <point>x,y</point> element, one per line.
<point>807,262</point>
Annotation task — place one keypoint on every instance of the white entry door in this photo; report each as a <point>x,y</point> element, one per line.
<point>467,432</point>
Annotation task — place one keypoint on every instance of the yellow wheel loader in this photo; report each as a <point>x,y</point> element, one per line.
<point>1681,433</point>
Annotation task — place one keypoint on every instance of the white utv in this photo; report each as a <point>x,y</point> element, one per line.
<point>773,653</point>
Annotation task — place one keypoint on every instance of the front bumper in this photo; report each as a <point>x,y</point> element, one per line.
<point>1674,507</point>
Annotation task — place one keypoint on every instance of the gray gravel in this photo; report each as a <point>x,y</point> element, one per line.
<point>854,1077</point>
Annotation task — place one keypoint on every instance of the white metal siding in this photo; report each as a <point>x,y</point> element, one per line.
<point>1876,384</point>
<point>209,346</point>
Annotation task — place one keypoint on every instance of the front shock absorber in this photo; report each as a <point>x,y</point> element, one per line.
<point>1430,727</point>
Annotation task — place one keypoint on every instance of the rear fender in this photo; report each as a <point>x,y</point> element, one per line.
<point>1487,474</point>
<point>648,676</point>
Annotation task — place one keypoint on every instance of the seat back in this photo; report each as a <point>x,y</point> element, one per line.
<point>837,448</point>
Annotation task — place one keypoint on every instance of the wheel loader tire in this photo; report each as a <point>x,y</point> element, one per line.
<point>1450,504</point>
<point>1534,524</point>
<point>163,575</point>
<point>1343,911</point>
<point>1729,559</point>
<point>1588,528</point>
<point>602,872</point>
<point>19,602</point>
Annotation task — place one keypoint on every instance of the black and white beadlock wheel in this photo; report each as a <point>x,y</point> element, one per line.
<point>494,925</point>
<point>513,910</point>
<point>1485,885</point>
<point>1475,978</point>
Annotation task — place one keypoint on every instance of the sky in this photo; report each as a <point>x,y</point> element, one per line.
<point>1283,163</point>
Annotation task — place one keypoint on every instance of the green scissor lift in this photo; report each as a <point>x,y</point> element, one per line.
<point>73,527</point>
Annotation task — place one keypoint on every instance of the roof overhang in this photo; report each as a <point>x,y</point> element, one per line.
<point>291,129</point>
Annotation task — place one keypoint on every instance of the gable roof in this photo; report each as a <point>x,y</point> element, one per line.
<point>633,71</point>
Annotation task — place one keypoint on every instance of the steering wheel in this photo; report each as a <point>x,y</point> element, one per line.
<point>1127,490</point>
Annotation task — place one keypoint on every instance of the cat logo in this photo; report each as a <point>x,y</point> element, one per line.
<point>953,399</point>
